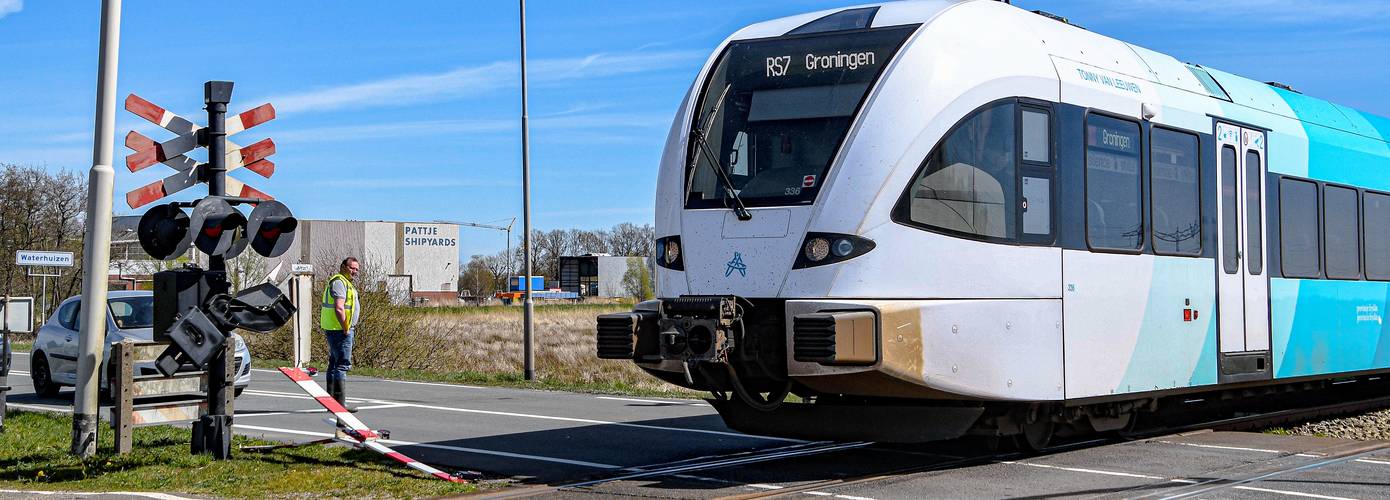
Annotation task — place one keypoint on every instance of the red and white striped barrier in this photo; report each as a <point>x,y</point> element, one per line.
<point>359,432</point>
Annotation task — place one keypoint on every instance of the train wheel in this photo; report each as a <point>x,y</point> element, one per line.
<point>1037,435</point>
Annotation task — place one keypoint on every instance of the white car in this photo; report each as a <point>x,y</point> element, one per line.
<point>130,315</point>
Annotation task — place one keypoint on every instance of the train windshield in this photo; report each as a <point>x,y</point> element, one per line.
<point>787,105</point>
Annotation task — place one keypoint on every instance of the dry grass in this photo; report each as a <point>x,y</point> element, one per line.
<point>484,345</point>
<point>565,343</point>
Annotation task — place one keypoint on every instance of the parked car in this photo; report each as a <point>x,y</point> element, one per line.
<point>130,315</point>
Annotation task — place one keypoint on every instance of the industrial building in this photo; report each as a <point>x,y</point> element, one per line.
<point>597,275</point>
<point>417,262</point>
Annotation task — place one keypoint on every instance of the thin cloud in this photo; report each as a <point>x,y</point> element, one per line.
<point>8,7</point>
<point>434,128</point>
<point>474,80</point>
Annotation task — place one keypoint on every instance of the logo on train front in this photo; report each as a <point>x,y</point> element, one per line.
<point>736,264</point>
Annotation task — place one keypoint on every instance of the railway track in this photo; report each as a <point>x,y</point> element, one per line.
<point>1243,423</point>
<point>686,469</point>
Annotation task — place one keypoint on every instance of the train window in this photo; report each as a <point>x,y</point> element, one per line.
<point>1254,248</point>
<point>1177,204</point>
<point>1036,137</point>
<point>1114,220</point>
<point>1298,229</point>
<point>968,183</point>
<point>1341,234</point>
<point>773,112</point>
<point>1376,213</point>
<point>1213,88</point>
<point>1037,205</point>
<point>1230,229</point>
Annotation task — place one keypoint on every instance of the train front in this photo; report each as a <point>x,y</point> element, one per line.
<point>742,282</point>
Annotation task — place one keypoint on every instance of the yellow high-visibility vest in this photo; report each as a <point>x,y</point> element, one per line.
<point>328,317</point>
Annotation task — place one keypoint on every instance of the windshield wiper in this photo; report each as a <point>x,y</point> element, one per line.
<point>712,159</point>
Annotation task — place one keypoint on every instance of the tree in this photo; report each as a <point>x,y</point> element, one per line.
<point>480,275</point>
<point>628,239</point>
<point>40,210</point>
<point>637,281</point>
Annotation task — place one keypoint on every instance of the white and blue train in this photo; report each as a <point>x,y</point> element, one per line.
<point>938,218</point>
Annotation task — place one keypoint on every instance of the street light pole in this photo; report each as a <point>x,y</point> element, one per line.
<point>96,252</point>
<point>529,305</point>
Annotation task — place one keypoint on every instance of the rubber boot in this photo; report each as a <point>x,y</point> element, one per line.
<point>336,388</point>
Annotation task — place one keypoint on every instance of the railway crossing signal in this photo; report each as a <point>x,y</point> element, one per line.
<point>195,309</point>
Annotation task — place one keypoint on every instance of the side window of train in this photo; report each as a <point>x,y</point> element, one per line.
<point>968,184</point>
<point>1174,187</point>
<point>1298,229</point>
<point>1341,232</point>
<point>1114,217</point>
<point>1376,216</point>
<point>1035,173</point>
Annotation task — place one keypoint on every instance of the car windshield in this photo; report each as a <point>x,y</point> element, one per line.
<point>132,312</point>
<point>787,106</point>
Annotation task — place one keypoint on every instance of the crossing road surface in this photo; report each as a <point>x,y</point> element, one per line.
<point>557,444</point>
<point>530,435</point>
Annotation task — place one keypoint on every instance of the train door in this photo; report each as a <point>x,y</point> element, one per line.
<point>1242,287</point>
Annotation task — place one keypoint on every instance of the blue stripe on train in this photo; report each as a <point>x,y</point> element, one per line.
<point>1325,326</point>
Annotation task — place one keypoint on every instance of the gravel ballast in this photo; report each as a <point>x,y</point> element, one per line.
<point>1367,426</point>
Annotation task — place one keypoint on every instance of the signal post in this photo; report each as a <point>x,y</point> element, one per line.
<point>195,309</point>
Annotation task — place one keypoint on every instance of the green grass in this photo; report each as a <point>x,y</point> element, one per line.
<point>513,380</point>
<point>34,456</point>
<point>21,346</point>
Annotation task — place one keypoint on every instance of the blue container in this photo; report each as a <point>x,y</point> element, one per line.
<point>516,285</point>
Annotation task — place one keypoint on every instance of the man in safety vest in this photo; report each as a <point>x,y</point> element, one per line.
<point>339,315</point>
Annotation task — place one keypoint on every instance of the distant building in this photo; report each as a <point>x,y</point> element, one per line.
<point>413,260</point>
<point>597,275</point>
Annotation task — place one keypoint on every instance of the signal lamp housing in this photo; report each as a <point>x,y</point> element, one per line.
<point>669,253</point>
<point>820,249</point>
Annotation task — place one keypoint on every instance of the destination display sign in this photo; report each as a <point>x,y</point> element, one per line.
<point>43,258</point>
<point>854,57</point>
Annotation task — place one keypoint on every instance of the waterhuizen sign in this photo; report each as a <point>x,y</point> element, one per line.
<point>43,258</point>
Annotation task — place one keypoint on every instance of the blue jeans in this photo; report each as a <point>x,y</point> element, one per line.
<point>339,353</point>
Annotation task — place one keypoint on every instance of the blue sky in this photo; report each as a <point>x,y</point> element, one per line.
<point>409,110</point>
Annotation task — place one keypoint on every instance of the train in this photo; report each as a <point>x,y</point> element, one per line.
<point>916,221</point>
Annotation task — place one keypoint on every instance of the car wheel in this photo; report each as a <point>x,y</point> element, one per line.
<point>44,386</point>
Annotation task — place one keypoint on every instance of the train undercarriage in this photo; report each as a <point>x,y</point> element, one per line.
<point>737,350</point>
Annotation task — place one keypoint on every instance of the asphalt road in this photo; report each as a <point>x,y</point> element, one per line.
<point>557,444</point>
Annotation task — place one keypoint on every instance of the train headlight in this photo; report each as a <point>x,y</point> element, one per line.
<point>670,253</point>
<point>817,249</point>
<point>843,247</point>
<point>827,248</point>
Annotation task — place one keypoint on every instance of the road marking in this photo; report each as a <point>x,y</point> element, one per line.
<point>394,442</point>
<point>605,422</point>
<point>261,392</point>
<point>302,412</point>
<point>652,401</point>
<point>410,382</point>
<point>1291,493</point>
<point>667,471</point>
<point>1219,447</point>
<point>1182,481</point>
<point>19,372</point>
<point>1371,461</point>
<point>1088,471</point>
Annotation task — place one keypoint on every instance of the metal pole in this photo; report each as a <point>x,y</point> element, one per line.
<point>96,249</point>
<point>527,324</point>
<point>215,427</point>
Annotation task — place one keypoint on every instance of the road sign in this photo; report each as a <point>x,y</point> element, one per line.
<point>43,258</point>
<point>18,314</point>
<point>191,135</point>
